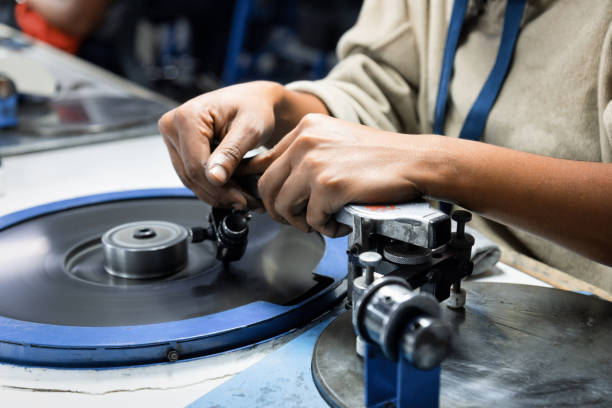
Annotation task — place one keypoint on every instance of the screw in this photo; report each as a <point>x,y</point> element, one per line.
<point>172,356</point>
<point>369,260</point>
<point>461,217</point>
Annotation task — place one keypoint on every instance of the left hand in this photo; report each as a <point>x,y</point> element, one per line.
<point>325,163</point>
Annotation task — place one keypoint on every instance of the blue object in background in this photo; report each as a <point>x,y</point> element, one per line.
<point>8,102</point>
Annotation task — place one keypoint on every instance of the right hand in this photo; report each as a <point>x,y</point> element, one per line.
<point>240,117</point>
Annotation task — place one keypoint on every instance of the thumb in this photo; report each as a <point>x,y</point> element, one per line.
<point>224,160</point>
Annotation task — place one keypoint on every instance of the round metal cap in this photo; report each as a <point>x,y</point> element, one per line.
<point>370,258</point>
<point>145,249</point>
<point>426,342</point>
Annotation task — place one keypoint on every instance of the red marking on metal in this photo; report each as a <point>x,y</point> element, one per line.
<point>380,207</point>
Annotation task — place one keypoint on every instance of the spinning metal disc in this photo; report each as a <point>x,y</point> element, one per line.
<point>55,284</point>
<point>515,346</point>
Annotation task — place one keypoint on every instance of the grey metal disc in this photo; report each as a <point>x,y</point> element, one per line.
<point>52,268</point>
<point>515,346</point>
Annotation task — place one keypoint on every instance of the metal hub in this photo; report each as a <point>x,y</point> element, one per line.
<point>406,254</point>
<point>145,249</point>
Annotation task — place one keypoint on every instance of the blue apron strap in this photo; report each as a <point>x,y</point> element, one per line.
<point>452,38</point>
<point>474,124</point>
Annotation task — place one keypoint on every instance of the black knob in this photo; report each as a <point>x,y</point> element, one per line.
<point>461,217</point>
<point>199,234</point>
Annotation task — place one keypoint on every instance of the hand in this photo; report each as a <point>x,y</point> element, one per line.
<point>240,117</point>
<point>325,163</point>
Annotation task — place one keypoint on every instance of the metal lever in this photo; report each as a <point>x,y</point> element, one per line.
<point>415,223</point>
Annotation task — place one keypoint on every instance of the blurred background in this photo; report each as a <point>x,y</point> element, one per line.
<point>181,48</point>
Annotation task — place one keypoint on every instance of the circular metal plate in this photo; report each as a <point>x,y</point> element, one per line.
<point>55,294</point>
<point>515,346</point>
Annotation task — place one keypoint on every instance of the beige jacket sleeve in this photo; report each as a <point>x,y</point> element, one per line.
<point>372,84</point>
<point>605,98</point>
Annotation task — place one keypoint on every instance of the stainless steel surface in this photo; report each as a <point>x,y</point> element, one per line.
<point>52,268</point>
<point>145,249</point>
<point>416,223</point>
<point>114,107</point>
<point>515,346</point>
<point>83,115</point>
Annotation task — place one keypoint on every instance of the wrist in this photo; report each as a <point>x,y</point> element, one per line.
<point>435,172</point>
<point>290,107</point>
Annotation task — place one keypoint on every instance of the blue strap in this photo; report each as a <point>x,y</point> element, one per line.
<point>474,124</point>
<point>452,38</point>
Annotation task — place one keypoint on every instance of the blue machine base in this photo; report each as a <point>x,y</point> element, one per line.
<point>30,343</point>
<point>282,379</point>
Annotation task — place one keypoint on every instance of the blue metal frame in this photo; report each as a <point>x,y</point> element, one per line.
<point>29,343</point>
<point>398,383</point>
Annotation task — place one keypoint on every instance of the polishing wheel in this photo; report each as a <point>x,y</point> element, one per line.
<point>82,280</point>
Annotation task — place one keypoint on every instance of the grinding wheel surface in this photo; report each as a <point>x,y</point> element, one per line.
<point>51,268</point>
<point>515,346</point>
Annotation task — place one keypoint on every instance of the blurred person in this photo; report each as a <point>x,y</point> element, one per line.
<point>63,24</point>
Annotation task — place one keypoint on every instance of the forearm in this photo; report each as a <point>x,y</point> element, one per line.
<point>569,202</point>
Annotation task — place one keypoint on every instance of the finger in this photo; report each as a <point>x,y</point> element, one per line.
<point>193,144</point>
<point>167,128</point>
<point>270,184</point>
<point>258,164</point>
<point>241,137</point>
<point>320,216</point>
<point>292,200</point>
<point>216,196</point>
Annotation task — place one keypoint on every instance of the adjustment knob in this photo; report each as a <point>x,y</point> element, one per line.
<point>369,260</point>
<point>461,217</point>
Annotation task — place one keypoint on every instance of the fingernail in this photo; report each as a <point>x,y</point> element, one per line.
<point>239,206</point>
<point>219,173</point>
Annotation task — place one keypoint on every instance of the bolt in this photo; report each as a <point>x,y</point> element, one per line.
<point>456,287</point>
<point>369,260</point>
<point>461,217</point>
<point>172,356</point>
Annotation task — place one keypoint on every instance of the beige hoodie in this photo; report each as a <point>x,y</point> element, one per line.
<point>556,100</point>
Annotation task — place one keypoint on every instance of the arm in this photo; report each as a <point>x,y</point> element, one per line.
<point>325,163</point>
<point>74,17</point>
<point>568,202</point>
